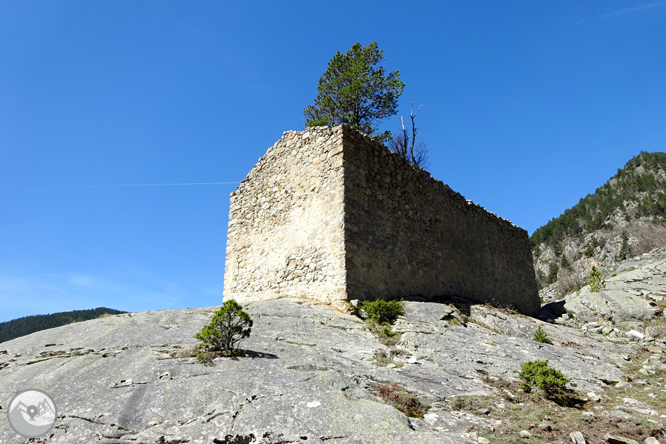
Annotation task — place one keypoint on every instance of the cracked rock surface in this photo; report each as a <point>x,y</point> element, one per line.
<point>310,375</point>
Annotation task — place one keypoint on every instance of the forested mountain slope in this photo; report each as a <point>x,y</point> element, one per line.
<point>623,218</point>
<point>30,324</point>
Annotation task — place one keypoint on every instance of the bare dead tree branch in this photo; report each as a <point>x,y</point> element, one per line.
<point>405,144</point>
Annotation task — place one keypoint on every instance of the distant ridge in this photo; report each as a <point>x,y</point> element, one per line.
<point>623,218</point>
<point>30,324</point>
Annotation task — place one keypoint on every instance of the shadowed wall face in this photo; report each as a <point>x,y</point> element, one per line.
<point>332,215</point>
<point>409,234</point>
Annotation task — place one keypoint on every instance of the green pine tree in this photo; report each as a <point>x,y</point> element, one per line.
<point>229,326</point>
<point>354,91</point>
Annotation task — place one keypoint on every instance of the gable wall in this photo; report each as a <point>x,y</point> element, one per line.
<point>285,233</point>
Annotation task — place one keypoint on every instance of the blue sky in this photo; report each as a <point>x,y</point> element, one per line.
<point>527,107</point>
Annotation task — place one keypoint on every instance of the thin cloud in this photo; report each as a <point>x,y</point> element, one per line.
<point>634,9</point>
<point>621,12</point>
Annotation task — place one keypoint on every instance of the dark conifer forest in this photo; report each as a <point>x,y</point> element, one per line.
<point>30,324</point>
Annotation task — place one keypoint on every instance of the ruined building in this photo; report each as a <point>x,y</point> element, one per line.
<point>329,214</point>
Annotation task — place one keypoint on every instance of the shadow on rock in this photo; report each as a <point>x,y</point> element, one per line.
<point>552,310</point>
<point>256,355</point>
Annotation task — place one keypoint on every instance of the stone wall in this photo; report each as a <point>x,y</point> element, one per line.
<point>331,215</point>
<point>409,234</point>
<point>286,223</point>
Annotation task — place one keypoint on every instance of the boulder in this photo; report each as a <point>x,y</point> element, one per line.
<point>612,439</point>
<point>577,438</point>
<point>613,305</point>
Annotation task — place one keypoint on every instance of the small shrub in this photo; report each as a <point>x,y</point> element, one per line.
<point>538,373</point>
<point>380,316</point>
<point>541,336</point>
<point>596,282</point>
<point>459,404</point>
<point>206,358</point>
<point>386,335</point>
<point>402,400</point>
<point>383,312</point>
<point>229,326</point>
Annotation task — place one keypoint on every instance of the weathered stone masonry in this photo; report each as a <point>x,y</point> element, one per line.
<point>331,215</point>
<point>286,223</point>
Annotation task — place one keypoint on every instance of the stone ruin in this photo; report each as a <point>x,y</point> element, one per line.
<point>332,215</point>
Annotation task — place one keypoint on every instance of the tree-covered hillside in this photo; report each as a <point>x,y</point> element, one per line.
<point>30,324</point>
<point>623,218</point>
<point>639,175</point>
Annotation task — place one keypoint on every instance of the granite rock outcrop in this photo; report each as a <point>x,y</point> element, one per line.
<point>310,374</point>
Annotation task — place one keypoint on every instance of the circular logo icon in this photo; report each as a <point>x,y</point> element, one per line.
<point>32,413</point>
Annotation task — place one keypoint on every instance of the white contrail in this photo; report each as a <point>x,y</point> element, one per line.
<point>125,185</point>
<point>634,9</point>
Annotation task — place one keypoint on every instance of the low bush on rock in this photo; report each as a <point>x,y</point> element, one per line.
<point>596,281</point>
<point>402,400</point>
<point>383,312</point>
<point>541,336</point>
<point>539,374</point>
<point>551,420</point>
<point>229,326</point>
<point>380,316</point>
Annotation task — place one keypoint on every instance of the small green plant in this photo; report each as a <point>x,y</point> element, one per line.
<point>383,312</point>
<point>386,335</point>
<point>229,326</point>
<point>539,374</point>
<point>458,404</point>
<point>541,336</point>
<point>596,281</point>
<point>380,316</point>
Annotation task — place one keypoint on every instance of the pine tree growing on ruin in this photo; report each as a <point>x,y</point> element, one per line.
<point>354,90</point>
